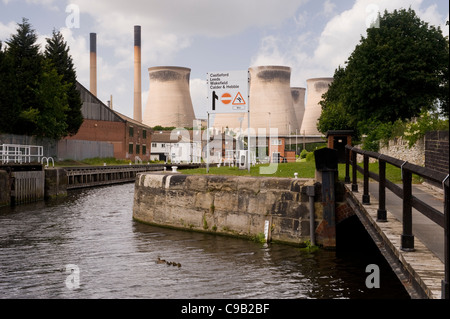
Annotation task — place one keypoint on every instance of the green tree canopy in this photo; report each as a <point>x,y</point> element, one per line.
<point>24,59</point>
<point>396,72</point>
<point>57,53</point>
<point>38,95</point>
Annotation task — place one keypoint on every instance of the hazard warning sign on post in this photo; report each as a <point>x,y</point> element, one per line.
<point>227,92</point>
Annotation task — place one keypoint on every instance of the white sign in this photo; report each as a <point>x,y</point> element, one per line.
<point>227,92</point>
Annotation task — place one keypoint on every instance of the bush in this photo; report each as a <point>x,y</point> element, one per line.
<point>303,153</point>
<point>310,157</point>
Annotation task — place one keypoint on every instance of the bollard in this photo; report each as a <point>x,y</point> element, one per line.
<point>327,171</point>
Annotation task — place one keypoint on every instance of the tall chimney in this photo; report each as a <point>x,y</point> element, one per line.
<point>137,75</point>
<point>93,67</point>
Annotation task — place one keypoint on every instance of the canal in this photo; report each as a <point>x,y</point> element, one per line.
<point>87,246</point>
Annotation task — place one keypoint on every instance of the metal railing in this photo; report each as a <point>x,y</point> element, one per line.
<point>20,154</point>
<point>405,193</point>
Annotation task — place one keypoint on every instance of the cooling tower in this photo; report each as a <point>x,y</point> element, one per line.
<point>315,89</point>
<point>137,75</point>
<point>298,98</point>
<point>271,99</point>
<point>93,63</point>
<point>169,99</point>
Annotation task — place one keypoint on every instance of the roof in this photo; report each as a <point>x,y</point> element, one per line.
<point>164,137</point>
<point>94,109</point>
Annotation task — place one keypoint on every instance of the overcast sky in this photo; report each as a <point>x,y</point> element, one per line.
<point>313,37</point>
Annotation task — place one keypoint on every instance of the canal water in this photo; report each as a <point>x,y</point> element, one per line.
<point>88,246</point>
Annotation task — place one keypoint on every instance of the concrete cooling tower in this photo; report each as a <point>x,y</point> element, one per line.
<point>169,99</point>
<point>298,98</point>
<point>315,89</point>
<point>271,102</point>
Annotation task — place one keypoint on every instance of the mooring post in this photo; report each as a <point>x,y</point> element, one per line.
<point>327,168</point>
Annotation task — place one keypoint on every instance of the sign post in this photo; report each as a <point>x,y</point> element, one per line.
<point>228,93</point>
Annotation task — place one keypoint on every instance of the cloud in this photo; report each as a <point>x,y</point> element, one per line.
<point>6,30</point>
<point>311,55</point>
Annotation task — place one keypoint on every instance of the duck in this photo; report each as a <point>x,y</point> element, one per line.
<point>179,265</point>
<point>160,261</point>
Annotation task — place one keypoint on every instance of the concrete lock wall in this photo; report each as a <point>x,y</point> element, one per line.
<point>238,206</point>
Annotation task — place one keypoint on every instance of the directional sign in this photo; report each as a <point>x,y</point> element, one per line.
<point>227,92</point>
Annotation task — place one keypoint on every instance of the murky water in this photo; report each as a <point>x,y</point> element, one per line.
<point>92,233</point>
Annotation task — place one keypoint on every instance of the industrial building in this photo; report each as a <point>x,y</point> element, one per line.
<point>131,139</point>
<point>315,89</point>
<point>169,101</point>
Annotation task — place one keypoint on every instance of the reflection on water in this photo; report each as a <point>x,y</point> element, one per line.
<point>116,257</point>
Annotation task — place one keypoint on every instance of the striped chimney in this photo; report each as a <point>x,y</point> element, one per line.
<point>93,63</point>
<point>137,75</point>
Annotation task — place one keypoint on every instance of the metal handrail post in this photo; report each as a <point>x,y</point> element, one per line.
<point>381,213</point>
<point>347,166</point>
<point>354,176</point>
<point>407,238</point>
<point>366,196</point>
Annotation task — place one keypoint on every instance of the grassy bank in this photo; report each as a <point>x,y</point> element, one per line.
<point>304,170</point>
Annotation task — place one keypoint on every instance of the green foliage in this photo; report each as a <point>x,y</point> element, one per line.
<point>398,71</point>
<point>37,91</point>
<point>57,53</point>
<point>417,128</point>
<point>303,153</point>
<point>310,157</point>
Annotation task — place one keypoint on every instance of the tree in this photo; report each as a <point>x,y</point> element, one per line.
<point>57,53</point>
<point>8,93</point>
<point>24,60</point>
<point>38,94</point>
<point>396,72</point>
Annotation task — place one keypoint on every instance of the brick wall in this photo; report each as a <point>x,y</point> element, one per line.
<point>436,151</point>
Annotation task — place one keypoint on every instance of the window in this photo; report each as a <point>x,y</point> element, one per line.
<point>138,149</point>
<point>144,149</point>
<point>144,134</point>
<point>131,131</point>
<point>276,142</point>
<point>130,148</point>
<point>154,145</point>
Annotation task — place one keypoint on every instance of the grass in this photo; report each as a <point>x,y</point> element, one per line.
<point>304,169</point>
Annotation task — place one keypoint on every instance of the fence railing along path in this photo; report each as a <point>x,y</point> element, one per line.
<point>405,193</point>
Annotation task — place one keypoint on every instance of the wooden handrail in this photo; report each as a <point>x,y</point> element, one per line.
<point>405,193</point>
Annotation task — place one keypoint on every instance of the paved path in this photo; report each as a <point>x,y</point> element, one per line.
<point>431,234</point>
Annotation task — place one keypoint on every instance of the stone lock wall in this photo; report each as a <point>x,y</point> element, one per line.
<point>232,205</point>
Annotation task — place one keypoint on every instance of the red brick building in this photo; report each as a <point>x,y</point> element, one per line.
<point>130,138</point>
<point>278,152</point>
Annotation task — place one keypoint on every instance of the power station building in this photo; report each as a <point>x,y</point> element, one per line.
<point>315,89</point>
<point>275,104</point>
<point>169,101</point>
